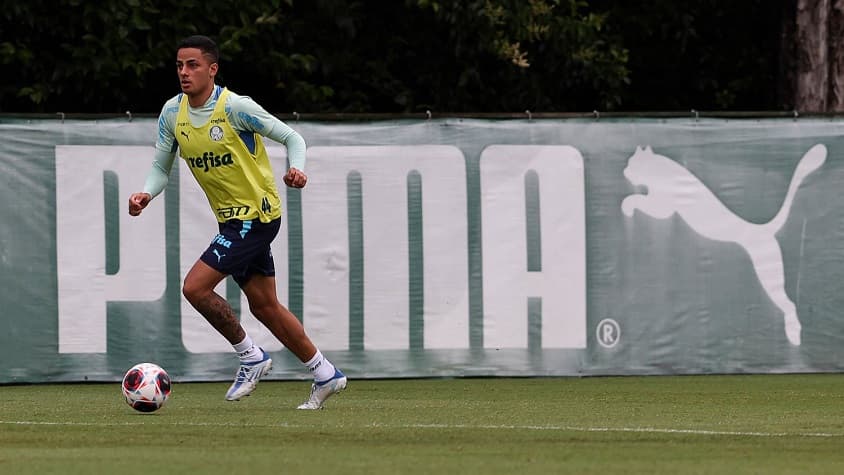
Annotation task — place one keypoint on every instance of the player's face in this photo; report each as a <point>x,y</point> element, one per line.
<point>196,72</point>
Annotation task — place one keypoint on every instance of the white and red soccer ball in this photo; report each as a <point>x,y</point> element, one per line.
<point>146,387</point>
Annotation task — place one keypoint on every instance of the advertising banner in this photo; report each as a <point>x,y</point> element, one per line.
<point>448,247</point>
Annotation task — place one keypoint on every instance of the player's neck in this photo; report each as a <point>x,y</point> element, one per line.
<point>199,99</point>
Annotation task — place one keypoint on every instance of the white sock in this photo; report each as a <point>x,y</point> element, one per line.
<point>247,351</point>
<point>321,368</point>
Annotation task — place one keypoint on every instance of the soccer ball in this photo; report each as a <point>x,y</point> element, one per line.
<point>146,387</point>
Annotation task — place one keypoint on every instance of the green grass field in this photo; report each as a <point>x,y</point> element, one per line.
<point>685,424</point>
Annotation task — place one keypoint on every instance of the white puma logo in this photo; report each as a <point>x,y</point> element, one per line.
<point>219,256</point>
<point>673,189</point>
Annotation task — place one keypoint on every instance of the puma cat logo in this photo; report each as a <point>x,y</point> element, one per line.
<point>673,189</point>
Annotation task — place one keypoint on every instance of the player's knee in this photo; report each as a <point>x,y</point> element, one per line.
<point>188,292</point>
<point>192,292</point>
<point>261,311</point>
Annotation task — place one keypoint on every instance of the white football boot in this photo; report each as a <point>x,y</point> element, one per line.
<point>324,390</point>
<point>248,376</point>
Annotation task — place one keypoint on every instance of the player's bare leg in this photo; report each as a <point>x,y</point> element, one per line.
<point>263,303</point>
<point>198,289</point>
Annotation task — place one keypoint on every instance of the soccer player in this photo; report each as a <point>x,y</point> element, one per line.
<point>218,134</point>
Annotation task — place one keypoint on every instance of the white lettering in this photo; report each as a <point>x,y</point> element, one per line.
<point>507,283</point>
<point>383,172</point>
<point>84,289</point>
<point>384,176</point>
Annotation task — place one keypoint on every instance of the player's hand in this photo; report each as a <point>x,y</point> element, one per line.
<point>137,203</point>
<point>295,178</point>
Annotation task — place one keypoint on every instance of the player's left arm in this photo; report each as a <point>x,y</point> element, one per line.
<point>249,115</point>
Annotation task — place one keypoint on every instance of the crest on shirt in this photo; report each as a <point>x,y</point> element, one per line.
<point>216,133</point>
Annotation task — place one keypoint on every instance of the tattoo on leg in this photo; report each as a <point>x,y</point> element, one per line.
<point>219,314</point>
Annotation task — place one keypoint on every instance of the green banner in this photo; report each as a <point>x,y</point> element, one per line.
<point>443,248</point>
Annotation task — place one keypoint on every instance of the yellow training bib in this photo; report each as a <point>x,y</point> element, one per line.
<point>239,184</point>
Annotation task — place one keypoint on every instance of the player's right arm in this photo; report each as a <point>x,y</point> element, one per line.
<point>165,155</point>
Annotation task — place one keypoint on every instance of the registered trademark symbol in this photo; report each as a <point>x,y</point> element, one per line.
<point>608,333</point>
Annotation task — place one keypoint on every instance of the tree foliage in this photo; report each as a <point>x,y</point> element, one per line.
<point>700,54</point>
<point>394,56</point>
